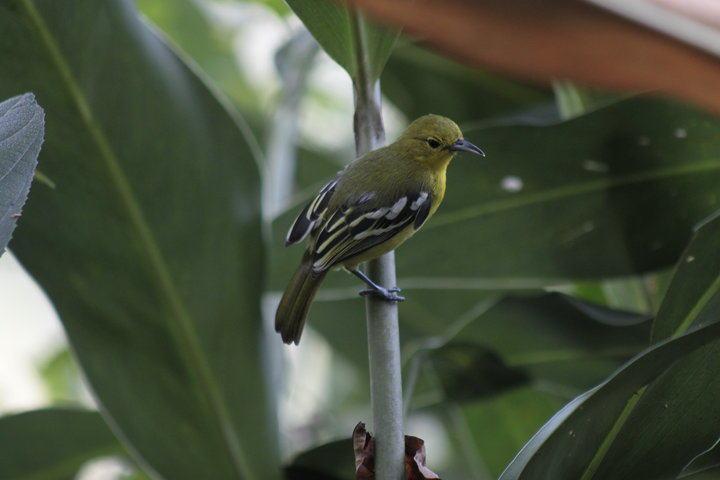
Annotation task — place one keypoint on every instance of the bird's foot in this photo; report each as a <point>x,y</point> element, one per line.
<point>388,294</point>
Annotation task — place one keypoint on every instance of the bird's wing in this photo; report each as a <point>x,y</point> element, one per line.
<point>354,229</point>
<point>309,215</point>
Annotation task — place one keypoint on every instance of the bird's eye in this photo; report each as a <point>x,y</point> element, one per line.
<point>433,142</point>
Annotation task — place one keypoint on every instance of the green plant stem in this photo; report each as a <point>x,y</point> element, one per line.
<point>382,316</point>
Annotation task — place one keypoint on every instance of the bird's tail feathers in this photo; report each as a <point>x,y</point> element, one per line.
<point>295,303</point>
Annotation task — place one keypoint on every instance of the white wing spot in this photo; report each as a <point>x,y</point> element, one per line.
<point>336,224</point>
<point>377,231</point>
<point>379,213</point>
<point>420,200</point>
<point>327,242</point>
<point>365,197</point>
<point>680,133</point>
<point>396,209</point>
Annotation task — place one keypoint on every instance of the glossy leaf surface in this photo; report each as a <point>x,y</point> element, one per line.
<point>654,415</point>
<point>337,30</point>
<point>22,126</point>
<point>150,245</point>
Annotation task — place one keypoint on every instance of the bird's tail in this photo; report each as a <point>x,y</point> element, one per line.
<point>293,309</point>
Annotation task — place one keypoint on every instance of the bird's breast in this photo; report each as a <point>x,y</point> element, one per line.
<point>437,188</point>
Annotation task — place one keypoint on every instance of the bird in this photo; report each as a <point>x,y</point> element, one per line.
<point>369,208</point>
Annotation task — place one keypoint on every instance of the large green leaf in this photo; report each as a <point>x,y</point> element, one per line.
<point>187,23</point>
<point>52,444</point>
<point>566,445</point>
<point>338,30</point>
<point>677,417</point>
<point>429,313</point>
<point>654,415</point>
<point>22,126</point>
<point>331,461</point>
<point>501,425</point>
<point>705,466</point>
<point>418,81</point>
<point>467,345</point>
<point>150,245</point>
<point>695,281</point>
<point>616,191</point>
<point>550,338</point>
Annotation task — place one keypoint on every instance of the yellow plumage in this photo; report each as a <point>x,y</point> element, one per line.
<point>370,208</point>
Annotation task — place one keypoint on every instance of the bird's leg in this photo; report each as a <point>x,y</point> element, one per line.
<point>389,294</point>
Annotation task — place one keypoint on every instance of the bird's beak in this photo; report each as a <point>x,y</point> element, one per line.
<point>463,145</point>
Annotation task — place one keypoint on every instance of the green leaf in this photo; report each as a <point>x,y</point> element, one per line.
<point>553,339</point>
<point>427,314</point>
<point>613,192</point>
<point>418,81</point>
<point>565,446</point>
<point>695,282</point>
<point>655,414</point>
<point>188,25</point>
<point>52,444</point>
<point>22,127</point>
<point>150,245</point>
<point>338,30</point>
<point>61,376</point>
<point>676,417</point>
<point>468,371</point>
<point>549,338</point>
<point>499,426</point>
<point>705,466</point>
<point>590,190</point>
<point>331,461</point>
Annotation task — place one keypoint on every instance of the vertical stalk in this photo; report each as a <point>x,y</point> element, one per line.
<point>382,316</point>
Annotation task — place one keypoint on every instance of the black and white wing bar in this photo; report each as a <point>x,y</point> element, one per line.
<point>312,212</point>
<point>353,230</point>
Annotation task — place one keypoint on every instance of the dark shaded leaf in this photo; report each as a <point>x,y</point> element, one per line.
<point>678,416</point>
<point>418,82</point>
<point>52,444</point>
<point>22,126</point>
<point>334,27</point>
<point>705,466</point>
<point>695,282</point>
<point>565,446</point>
<point>468,371</point>
<point>655,414</point>
<point>547,338</point>
<point>331,461</point>
<point>501,424</point>
<point>150,246</point>
<point>579,199</point>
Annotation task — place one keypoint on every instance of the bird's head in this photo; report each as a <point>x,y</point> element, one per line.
<point>434,140</point>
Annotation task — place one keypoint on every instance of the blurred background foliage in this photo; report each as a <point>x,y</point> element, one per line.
<point>544,273</point>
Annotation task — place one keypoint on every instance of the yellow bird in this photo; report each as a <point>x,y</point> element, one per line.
<point>372,206</point>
